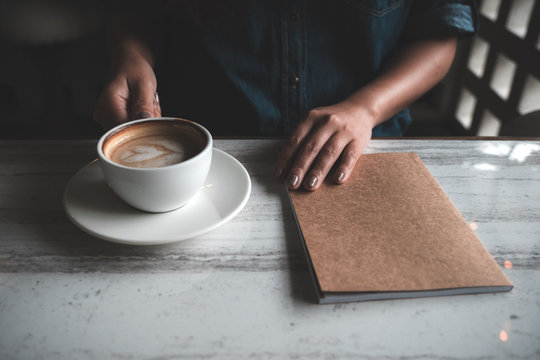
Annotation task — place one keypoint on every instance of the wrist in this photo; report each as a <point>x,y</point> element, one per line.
<point>131,51</point>
<point>364,108</point>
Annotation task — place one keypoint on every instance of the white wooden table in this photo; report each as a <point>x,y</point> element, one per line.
<point>242,291</point>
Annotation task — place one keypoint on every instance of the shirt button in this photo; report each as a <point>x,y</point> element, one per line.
<point>294,81</point>
<point>294,16</point>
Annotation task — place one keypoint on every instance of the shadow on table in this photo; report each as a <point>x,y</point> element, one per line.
<point>41,238</point>
<point>302,287</point>
<point>38,237</point>
<point>256,161</point>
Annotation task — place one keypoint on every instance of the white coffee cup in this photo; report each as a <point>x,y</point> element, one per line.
<point>156,164</point>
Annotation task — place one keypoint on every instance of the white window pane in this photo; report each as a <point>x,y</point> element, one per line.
<point>490,9</point>
<point>501,82</point>
<point>478,57</point>
<point>530,99</point>
<point>520,14</point>
<point>465,108</point>
<point>489,125</point>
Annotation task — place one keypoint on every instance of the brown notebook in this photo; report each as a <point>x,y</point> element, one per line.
<point>391,232</point>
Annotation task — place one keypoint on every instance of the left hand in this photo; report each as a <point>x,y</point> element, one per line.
<point>345,129</point>
<point>317,143</point>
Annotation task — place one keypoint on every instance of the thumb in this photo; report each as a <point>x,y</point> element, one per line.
<point>141,102</point>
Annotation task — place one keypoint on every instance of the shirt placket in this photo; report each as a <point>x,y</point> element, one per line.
<point>293,77</point>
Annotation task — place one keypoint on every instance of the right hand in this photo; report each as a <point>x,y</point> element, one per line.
<point>129,95</point>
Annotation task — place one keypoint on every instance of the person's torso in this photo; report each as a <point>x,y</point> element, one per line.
<point>256,67</point>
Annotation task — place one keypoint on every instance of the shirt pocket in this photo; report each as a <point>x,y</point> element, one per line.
<point>377,8</point>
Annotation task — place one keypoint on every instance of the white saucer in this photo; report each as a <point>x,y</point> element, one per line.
<point>92,206</point>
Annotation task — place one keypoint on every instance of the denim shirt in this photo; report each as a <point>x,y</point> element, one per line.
<point>257,67</point>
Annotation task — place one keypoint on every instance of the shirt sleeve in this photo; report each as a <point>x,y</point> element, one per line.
<point>435,18</point>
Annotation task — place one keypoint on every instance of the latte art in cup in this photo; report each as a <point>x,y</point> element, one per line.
<point>156,164</point>
<point>155,144</point>
<point>150,151</point>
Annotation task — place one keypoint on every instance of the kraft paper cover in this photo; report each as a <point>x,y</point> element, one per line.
<point>391,227</point>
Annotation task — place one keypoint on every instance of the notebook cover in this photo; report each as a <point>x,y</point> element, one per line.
<point>390,231</point>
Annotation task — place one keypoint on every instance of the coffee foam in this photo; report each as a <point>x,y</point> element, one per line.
<point>154,144</point>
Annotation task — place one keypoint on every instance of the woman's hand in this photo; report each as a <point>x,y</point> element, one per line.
<point>344,130</point>
<point>129,95</point>
<point>328,136</point>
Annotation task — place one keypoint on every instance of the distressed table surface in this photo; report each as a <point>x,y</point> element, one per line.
<point>242,290</point>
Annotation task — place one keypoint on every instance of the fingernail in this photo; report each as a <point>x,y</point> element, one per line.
<point>312,181</point>
<point>293,180</point>
<point>142,115</point>
<point>277,172</point>
<point>339,176</point>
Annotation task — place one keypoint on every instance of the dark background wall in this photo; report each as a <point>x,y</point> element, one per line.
<point>53,64</point>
